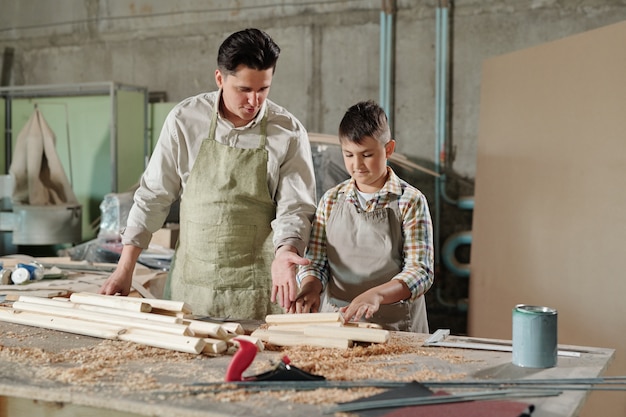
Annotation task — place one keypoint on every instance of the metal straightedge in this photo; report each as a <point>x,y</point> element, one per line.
<point>439,339</point>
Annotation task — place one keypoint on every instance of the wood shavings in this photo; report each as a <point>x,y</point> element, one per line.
<point>126,367</point>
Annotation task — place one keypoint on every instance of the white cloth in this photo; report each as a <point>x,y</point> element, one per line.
<point>290,176</point>
<point>40,179</point>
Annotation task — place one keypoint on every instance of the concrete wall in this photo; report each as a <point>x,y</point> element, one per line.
<point>330,51</point>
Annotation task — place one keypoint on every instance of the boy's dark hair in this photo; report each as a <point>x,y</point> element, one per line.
<point>250,47</point>
<point>365,118</point>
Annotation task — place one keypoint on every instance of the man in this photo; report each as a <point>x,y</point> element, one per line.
<point>242,168</point>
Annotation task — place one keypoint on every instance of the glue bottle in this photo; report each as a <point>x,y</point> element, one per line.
<point>27,272</point>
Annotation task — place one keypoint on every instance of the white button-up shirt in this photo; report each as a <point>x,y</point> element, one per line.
<point>290,176</point>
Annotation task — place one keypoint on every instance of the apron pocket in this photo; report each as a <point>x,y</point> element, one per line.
<point>221,256</point>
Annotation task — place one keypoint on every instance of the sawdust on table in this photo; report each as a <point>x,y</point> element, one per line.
<point>106,364</point>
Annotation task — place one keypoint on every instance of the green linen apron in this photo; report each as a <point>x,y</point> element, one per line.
<point>222,263</point>
<point>364,250</point>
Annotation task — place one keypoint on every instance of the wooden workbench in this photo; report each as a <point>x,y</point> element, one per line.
<point>45,372</point>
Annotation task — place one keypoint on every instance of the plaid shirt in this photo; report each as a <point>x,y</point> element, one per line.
<point>418,253</point>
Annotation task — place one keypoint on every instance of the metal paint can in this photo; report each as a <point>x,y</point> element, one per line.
<point>534,336</point>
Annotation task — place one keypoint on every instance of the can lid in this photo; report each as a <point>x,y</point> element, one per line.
<point>20,276</point>
<point>524,308</point>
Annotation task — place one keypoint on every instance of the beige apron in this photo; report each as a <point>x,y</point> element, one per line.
<point>222,264</point>
<point>364,250</point>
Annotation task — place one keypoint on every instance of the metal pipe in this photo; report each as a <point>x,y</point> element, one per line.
<point>383,58</point>
<point>387,58</point>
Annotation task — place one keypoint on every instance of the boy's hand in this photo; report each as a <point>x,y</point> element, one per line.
<point>363,306</point>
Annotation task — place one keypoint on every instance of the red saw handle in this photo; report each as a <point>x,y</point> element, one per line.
<point>241,360</point>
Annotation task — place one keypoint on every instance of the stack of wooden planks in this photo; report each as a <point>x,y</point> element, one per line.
<point>318,329</point>
<point>154,322</point>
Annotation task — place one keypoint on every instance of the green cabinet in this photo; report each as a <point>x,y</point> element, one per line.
<point>101,134</point>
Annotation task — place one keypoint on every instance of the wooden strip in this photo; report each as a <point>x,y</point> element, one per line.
<point>286,339</point>
<point>64,324</point>
<point>66,303</point>
<point>178,314</point>
<point>143,291</point>
<point>154,303</point>
<point>168,305</point>
<point>233,327</point>
<point>252,339</point>
<point>214,345</point>
<point>356,334</point>
<point>303,318</point>
<point>188,344</point>
<point>206,329</point>
<point>264,334</point>
<point>14,295</point>
<point>113,301</point>
<point>299,327</point>
<point>363,324</point>
<point>91,316</point>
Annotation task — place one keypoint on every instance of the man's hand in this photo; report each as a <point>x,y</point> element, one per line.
<point>120,281</point>
<point>284,285</point>
<point>308,300</point>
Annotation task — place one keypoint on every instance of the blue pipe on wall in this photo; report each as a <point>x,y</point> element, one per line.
<point>387,58</point>
<point>448,251</point>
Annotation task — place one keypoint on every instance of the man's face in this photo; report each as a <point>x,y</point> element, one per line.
<point>243,93</point>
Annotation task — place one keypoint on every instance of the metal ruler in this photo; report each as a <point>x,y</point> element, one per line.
<point>438,339</point>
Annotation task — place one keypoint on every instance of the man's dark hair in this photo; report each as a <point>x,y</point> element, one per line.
<point>250,47</point>
<point>365,118</point>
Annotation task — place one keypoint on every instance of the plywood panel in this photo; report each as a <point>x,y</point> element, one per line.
<point>550,202</point>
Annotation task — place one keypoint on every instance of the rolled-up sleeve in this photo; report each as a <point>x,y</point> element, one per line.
<point>159,186</point>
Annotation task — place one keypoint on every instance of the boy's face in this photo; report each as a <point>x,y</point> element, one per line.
<point>243,93</point>
<point>367,162</point>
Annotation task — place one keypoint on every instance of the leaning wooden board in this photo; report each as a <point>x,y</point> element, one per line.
<point>130,382</point>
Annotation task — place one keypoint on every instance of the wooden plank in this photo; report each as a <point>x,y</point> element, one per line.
<point>154,303</point>
<point>291,338</point>
<point>145,293</point>
<point>188,344</point>
<point>64,324</point>
<point>252,339</point>
<point>303,318</point>
<point>91,316</point>
<point>178,314</point>
<point>113,301</point>
<point>287,339</point>
<point>14,295</point>
<point>356,334</point>
<point>214,346</point>
<point>206,329</point>
<point>168,305</point>
<point>233,327</point>
<point>363,324</point>
<point>299,327</point>
<point>66,303</point>
<point>264,334</point>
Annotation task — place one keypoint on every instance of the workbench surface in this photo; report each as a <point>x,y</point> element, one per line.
<point>51,373</point>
